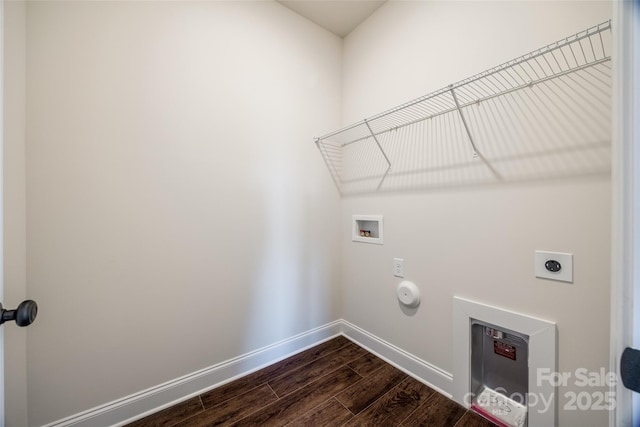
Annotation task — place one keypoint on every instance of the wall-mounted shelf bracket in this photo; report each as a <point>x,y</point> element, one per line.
<point>373,135</point>
<point>464,122</point>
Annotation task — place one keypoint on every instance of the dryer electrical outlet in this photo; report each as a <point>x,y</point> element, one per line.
<point>554,266</point>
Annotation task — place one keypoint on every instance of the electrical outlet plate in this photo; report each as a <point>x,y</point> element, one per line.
<point>398,267</point>
<point>566,261</point>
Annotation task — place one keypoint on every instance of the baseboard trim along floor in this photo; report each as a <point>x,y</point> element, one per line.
<point>146,402</point>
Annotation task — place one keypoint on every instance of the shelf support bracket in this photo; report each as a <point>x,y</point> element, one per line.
<point>333,170</point>
<point>373,135</point>
<point>464,122</point>
<point>476,154</point>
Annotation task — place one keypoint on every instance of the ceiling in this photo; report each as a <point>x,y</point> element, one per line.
<point>338,16</point>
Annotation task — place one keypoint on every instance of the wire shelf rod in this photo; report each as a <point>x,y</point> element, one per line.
<point>553,46</point>
<point>469,103</point>
<point>525,59</point>
<point>542,100</point>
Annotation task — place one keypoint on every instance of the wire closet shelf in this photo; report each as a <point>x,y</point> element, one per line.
<point>547,104</point>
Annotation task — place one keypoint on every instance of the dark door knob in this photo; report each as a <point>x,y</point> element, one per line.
<point>24,315</point>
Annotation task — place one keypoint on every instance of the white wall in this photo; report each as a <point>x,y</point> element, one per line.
<point>15,346</point>
<point>476,242</point>
<point>172,185</point>
<point>178,213</point>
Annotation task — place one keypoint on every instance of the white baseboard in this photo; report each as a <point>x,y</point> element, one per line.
<point>138,405</point>
<point>146,402</point>
<point>419,369</point>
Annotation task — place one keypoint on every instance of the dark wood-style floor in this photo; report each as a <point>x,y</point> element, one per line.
<point>336,383</point>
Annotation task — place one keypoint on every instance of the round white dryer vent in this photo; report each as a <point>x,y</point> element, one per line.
<point>408,294</point>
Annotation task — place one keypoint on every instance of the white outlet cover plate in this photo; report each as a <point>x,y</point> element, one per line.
<point>398,267</point>
<point>566,261</point>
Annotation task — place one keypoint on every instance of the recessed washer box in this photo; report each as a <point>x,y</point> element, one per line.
<point>367,229</point>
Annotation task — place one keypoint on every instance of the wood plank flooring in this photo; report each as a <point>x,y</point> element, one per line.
<point>336,383</point>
